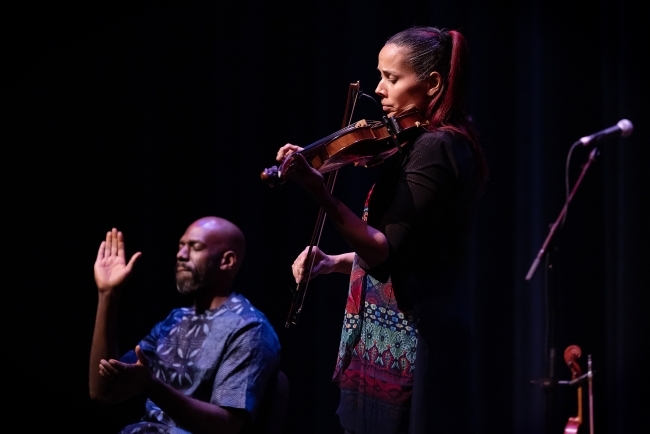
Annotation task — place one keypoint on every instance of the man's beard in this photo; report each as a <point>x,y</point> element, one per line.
<point>189,284</point>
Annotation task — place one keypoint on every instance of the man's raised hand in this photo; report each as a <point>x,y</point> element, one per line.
<point>111,269</point>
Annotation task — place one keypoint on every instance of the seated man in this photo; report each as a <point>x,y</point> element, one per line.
<point>204,368</point>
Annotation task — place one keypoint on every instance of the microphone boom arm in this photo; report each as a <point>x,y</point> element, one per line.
<point>565,208</point>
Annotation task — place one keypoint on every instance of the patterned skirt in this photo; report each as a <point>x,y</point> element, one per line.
<point>376,359</point>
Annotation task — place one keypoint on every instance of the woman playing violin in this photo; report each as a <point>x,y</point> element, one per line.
<point>404,362</point>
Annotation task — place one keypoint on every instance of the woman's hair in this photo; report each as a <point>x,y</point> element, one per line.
<point>429,49</point>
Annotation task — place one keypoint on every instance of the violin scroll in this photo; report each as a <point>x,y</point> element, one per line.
<point>271,176</point>
<point>571,355</point>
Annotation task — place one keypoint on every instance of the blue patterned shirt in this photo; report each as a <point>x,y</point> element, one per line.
<point>223,356</point>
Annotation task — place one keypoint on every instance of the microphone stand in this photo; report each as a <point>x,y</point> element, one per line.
<point>549,383</point>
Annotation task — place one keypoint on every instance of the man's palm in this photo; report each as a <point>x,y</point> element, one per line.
<point>111,269</point>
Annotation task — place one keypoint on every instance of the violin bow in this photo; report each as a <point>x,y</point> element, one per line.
<point>354,89</point>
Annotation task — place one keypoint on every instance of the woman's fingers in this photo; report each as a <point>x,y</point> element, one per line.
<point>287,150</point>
<point>297,268</point>
<point>301,265</point>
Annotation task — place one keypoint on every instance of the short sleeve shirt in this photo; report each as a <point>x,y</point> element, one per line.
<point>223,356</point>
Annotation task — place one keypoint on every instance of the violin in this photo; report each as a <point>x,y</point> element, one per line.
<point>571,355</point>
<point>364,143</point>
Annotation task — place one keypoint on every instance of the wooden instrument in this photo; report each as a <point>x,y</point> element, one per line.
<point>571,355</point>
<point>364,143</point>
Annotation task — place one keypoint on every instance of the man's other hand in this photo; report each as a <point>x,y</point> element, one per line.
<point>129,379</point>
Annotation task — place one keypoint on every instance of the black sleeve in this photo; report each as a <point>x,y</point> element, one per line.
<point>408,207</point>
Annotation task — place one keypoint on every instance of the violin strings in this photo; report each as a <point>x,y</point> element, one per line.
<point>329,138</point>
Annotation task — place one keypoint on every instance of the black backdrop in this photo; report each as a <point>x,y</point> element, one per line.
<point>145,116</point>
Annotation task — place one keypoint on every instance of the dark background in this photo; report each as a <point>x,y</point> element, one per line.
<point>148,115</point>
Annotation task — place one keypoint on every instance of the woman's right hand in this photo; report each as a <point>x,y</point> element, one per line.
<point>323,264</point>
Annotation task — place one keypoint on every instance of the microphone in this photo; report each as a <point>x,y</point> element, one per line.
<point>623,127</point>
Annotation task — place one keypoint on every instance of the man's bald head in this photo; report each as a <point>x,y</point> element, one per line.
<point>224,234</point>
<point>210,254</point>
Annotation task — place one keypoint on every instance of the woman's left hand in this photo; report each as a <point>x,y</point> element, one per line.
<point>296,168</point>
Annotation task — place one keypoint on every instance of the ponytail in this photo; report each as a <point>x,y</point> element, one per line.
<point>443,111</point>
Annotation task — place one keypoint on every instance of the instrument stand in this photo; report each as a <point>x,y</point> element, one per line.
<point>590,382</point>
<point>588,378</point>
<point>549,383</point>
